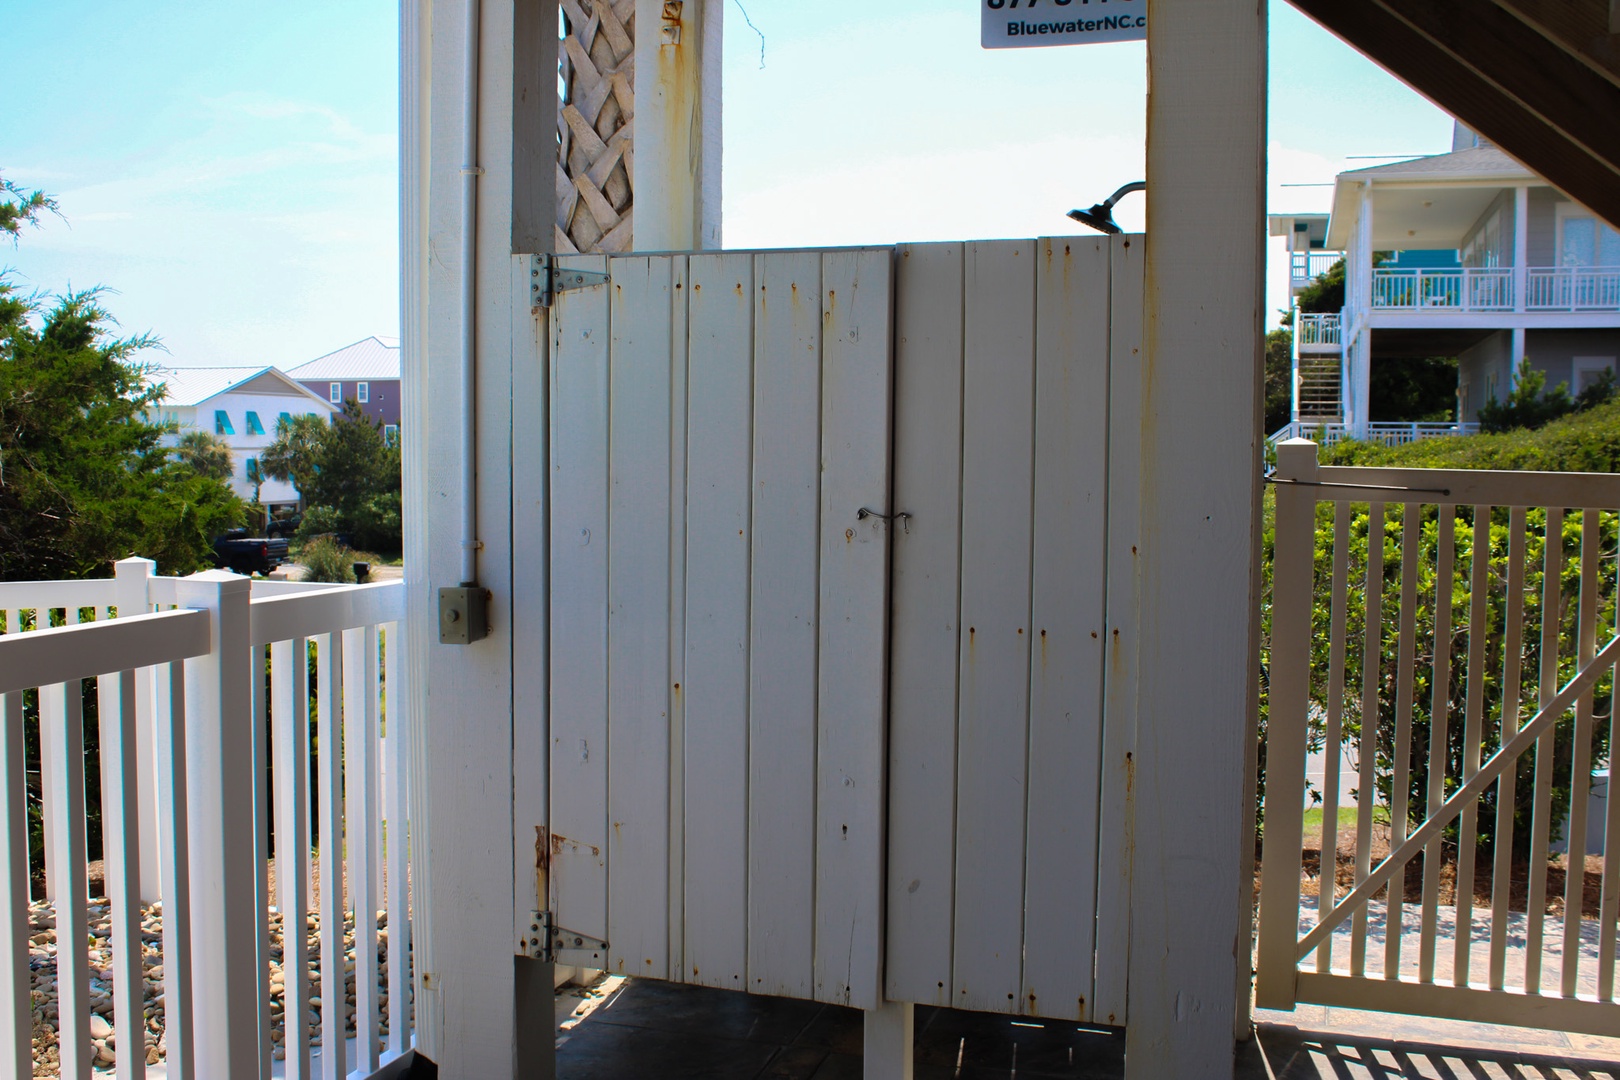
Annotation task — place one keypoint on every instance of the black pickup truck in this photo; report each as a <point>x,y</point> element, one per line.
<point>245,554</point>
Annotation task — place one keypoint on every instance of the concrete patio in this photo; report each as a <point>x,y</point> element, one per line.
<point>653,1029</point>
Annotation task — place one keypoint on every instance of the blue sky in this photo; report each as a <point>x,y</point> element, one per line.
<point>230,170</point>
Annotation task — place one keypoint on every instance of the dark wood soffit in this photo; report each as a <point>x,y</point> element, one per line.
<point>1581,26</point>
<point>1458,86</point>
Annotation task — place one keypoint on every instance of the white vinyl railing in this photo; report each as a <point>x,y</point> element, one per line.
<point>187,700</point>
<point>1467,657</point>
<point>1319,329</point>
<point>1472,288</point>
<point>1573,288</point>
<point>1305,265</point>
<point>1389,433</point>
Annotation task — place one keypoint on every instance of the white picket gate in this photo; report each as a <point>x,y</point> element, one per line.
<point>1518,713</point>
<point>839,605</point>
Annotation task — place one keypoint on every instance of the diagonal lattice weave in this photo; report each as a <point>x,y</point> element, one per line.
<point>595,126</point>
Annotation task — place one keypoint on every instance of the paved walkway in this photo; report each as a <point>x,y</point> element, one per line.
<point>652,1029</point>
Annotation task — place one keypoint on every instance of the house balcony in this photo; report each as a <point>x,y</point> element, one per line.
<point>1320,333</point>
<point>1305,266</point>
<point>1491,296</point>
<point>252,752</point>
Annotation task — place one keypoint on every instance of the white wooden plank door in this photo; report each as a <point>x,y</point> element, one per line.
<point>719,558</point>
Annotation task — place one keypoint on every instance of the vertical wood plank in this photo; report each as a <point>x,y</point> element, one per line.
<point>856,303</point>
<point>998,427</point>
<point>679,331</point>
<point>782,643</point>
<point>924,649</point>
<point>1069,576</point>
<point>1122,634</point>
<point>1609,894</point>
<point>395,796</point>
<point>720,435</point>
<point>263,772</point>
<point>579,581</point>
<point>638,617</point>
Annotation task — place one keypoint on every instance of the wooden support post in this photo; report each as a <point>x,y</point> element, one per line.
<point>220,785</point>
<point>133,577</point>
<point>677,95</point>
<point>890,1041</point>
<point>1199,530</point>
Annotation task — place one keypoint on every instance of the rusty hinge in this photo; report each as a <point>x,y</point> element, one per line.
<point>547,941</point>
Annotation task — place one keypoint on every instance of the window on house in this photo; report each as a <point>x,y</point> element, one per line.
<point>362,392</point>
<point>1589,371</point>
<point>287,417</point>
<point>250,467</point>
<point>254,427</point>
<point>1585,241</point>
<point>335,395</point>
<point>222,423</point>
<point>391,434</point>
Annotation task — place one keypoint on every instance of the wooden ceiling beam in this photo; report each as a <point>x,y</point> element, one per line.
<point>1581,26</point>
<point>1459,87</point>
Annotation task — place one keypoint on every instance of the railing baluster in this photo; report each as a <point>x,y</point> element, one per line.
<point>1609,904</point>
<point>289,664</point>
<point>1371,662</point>
<point>1405,690</point>
<point>120,832</point>
<point>1479,566</point>
<point>329,730</point>
<point>173,827</point>
<point>258,685</point>
<point>61,717</point>
<point>398,837</point>
<point>360,746</point>
<point>1439,728</point>
<point>1580,779</point>
<point>1507,787</point>
<point>1333,747</point>
<point>1540,826</point>
<point>16,1005</point>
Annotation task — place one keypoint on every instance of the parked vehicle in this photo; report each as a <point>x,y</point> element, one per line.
<point>249,555</point>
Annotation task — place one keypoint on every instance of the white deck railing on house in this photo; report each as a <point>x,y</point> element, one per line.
<point>1320,329</point>
<point>1573,288</point>
<point>1493,288</point>
<point>1497,589</point>
<point>1390,434</point>
<point>1305,265</point>
<point>187,700</point>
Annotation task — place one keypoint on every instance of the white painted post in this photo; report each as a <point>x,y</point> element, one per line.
<point>16,1002</point>
<point>133,577</point>
<point>1199,533</point>
<point>676,178</point>
<point>221,787</point>
<point>890,1041</point>
<point>1521,247</point>
<point>1286,729</point>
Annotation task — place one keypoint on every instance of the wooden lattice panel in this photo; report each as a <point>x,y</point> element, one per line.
<point>595,126</point>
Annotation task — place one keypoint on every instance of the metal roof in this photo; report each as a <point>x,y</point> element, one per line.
<point>1475,163</point>
<point>369,358</point>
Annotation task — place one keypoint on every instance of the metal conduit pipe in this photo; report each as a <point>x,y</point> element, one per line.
<point>470,172</point>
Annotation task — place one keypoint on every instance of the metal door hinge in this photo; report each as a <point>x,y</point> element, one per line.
<point>546,280</point>
<point>546,941</point>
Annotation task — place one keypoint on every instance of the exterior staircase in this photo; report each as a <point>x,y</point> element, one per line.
<point>1319,394</point>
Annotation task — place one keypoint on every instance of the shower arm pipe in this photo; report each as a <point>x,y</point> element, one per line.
<point>470,172</point>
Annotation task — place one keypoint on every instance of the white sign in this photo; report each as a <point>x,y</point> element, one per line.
<point>1023,24</point>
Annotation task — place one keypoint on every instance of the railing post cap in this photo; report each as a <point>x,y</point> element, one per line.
<point>134,564</point>
<point>1296,459</point>
<point>227,583</point>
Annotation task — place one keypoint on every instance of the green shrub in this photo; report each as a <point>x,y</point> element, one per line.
<point>319,521</point>
<point>325,559</point>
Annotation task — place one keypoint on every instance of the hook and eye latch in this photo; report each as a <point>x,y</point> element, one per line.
<point>901,516</point>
